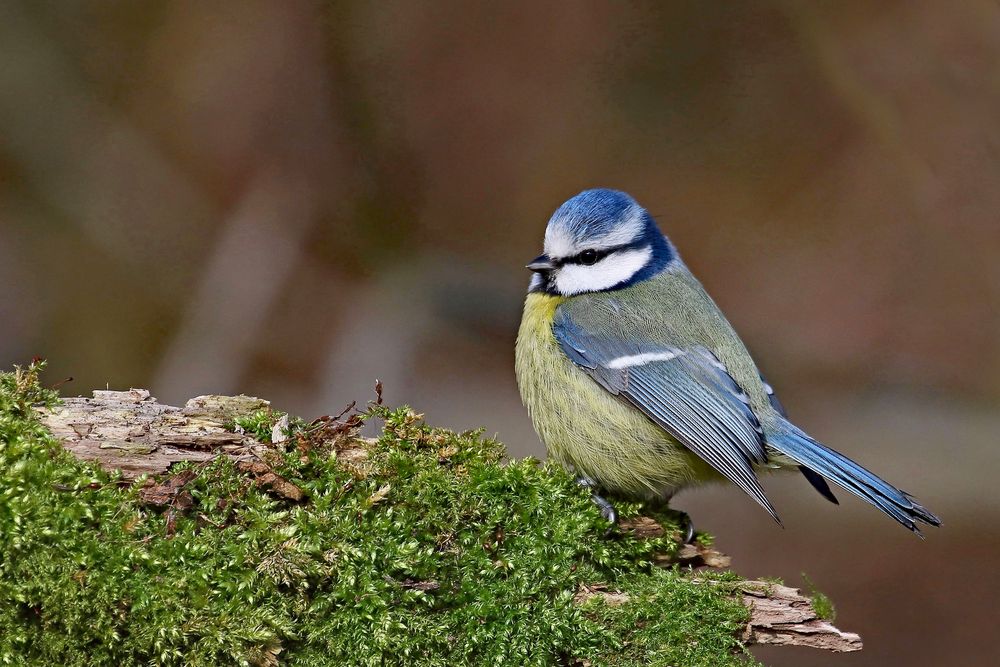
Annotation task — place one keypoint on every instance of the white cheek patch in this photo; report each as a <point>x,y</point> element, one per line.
<point>614,269</point>
<point>632,360</point>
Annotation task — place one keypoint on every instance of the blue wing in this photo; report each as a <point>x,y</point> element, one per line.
<point>686,391</point>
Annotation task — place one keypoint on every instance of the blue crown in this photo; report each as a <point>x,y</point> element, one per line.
<point>594,213</point>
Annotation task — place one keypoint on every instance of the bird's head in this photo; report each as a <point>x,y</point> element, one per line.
<point>597,241</point>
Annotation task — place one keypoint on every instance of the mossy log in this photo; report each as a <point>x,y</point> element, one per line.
<point>297,580</point>
<point>131,432</point>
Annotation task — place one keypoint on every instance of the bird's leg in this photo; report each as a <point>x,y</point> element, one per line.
<point>686,524</point>
<point>608,510</point>
<point>687,527</point>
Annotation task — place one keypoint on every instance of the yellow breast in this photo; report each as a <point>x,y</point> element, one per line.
<point>585,427</point>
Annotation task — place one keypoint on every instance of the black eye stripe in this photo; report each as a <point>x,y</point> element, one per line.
<point>599,253</point>
<point>588,256</point>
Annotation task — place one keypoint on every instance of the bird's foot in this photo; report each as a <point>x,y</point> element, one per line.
<point>608,510</point>
<point>684,522</point>
<point>687,527</point>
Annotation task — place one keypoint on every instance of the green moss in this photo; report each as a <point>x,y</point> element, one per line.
<point>674,623</point>
<point>259,425</point>
<point>434,551</point>
<point>821,603</point>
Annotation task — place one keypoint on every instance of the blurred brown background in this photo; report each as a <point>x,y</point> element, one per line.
<point>290,199</point>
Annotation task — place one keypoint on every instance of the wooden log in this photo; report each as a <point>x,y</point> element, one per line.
<point>782,615</point>
<point>778,615</point>
<point>132,432</point>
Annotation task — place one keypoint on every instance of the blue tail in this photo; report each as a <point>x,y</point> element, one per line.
<point>847,474</point>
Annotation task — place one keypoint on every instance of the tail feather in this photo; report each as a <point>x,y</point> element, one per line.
<point>850,476</point>
<point>819,484</point>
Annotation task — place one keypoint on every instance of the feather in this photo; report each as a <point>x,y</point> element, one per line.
<point>819,484</point>
<point>687,392</point>
<point>852,477</point>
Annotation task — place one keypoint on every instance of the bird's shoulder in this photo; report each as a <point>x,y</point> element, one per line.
<point>671,308</point>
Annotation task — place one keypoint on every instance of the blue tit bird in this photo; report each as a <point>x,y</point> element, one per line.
<point>635,380</point>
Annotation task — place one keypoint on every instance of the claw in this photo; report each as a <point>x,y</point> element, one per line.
<point>608,510</point>
<point>689,528</point>
<point>684,519</point>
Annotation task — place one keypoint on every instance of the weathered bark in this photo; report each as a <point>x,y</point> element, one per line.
<point>132,432</point>
<point>782,615</point>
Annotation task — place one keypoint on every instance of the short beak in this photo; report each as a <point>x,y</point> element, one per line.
<point>541,263</point>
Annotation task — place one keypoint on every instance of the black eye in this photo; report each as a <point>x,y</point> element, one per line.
<point>588,257</point>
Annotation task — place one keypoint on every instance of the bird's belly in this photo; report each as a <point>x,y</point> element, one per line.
<point>587,428</point>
